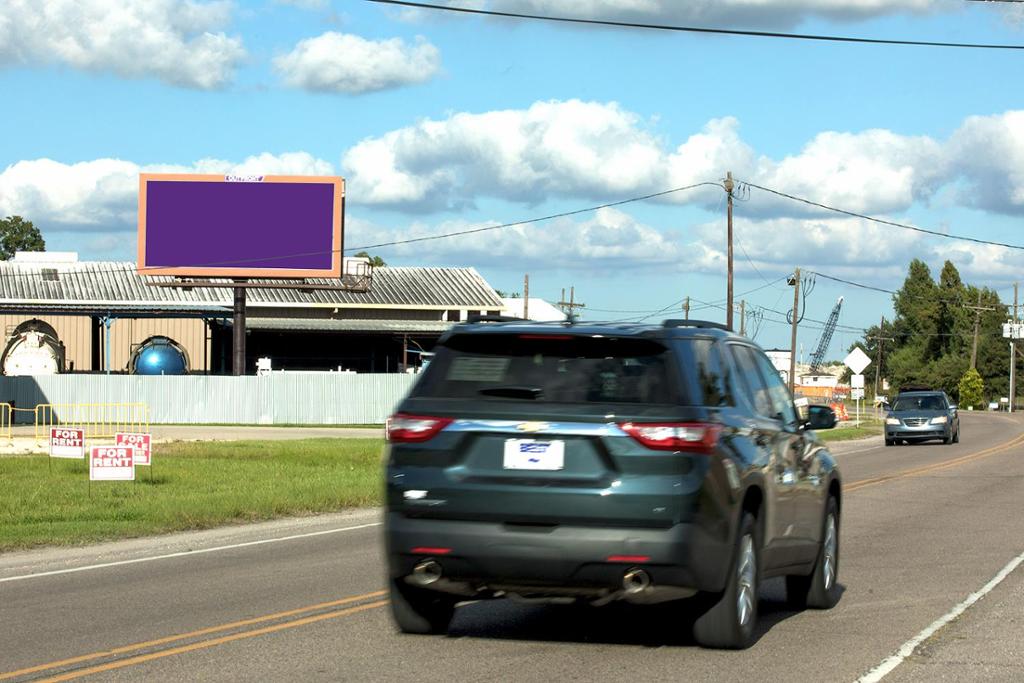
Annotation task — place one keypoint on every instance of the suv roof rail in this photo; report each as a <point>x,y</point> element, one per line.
<point>476,318</point>
<point>695,323</point>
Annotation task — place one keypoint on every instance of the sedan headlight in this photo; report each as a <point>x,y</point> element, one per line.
<point>939,420</point>
<point>891,421</point>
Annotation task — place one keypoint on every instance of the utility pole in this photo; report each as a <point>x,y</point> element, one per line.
<point>569,307</point>
<point>686,308</point>
<point>743,318</point>
<point>977,323</point>
<point>526,297</point>
<point>1013,354</point>
<point>728,305</point>
<point>878,359</point>
<point>796,310</point>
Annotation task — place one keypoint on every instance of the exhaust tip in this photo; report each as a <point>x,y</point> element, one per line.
<point>635,581</point>
<point>426,573</point>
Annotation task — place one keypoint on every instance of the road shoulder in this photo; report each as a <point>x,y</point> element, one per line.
<point>52,559</point>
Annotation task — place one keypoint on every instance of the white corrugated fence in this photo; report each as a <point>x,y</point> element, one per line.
<point>278,398</point>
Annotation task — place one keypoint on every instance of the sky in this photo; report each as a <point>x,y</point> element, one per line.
<point>442,122</point>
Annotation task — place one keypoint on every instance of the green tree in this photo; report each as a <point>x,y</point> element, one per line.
<point>375,261</point>
<point>972,389</point>
<point>18,234</point>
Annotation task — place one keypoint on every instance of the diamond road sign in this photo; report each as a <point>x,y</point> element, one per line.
<point>857,361</point>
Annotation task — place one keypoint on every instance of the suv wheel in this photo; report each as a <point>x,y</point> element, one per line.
<point>419,611</point>
<point>820,590</point>
<point>729,623</point>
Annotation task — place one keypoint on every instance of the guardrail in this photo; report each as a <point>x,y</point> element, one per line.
<point>98,420</point>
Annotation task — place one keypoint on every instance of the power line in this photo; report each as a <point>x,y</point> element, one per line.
<point>695,29</point>
<point>882,221</point>
<point>536,220</point>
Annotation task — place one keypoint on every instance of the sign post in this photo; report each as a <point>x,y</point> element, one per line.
<point>857,361</point>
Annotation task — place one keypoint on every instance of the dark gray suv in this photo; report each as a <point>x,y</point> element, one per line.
<point>601,462</point>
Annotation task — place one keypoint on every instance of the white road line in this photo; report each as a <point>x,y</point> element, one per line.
<point>883,669</point>
<point>187,553</point>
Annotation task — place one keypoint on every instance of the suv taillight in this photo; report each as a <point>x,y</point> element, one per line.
<point>403,428</point>
<point>694,437</point>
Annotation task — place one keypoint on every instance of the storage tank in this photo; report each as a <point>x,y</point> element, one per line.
<point>159,355</point>
<point>33,349</point>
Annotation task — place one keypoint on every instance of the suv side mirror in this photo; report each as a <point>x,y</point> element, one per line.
<point>952,406</point>
<point>820,417</point>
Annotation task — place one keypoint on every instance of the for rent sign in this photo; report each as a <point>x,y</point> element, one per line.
<point>111,463</point>
<point>141,442</point>
<point>67,443</point>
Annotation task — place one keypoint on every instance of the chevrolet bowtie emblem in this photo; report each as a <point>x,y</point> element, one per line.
<point>532,426</point>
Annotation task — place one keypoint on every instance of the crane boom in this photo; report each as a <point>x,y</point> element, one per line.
<point>826,337</point>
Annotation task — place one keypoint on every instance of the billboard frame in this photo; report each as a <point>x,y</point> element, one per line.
<point>337,229</point>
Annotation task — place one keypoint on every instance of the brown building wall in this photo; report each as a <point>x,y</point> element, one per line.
<point>74,331</point>
<point>125,334</point>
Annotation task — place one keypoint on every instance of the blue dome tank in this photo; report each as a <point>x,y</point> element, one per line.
<point>159,356</point>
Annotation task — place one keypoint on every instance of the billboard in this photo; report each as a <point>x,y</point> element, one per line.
<point>240,226</point>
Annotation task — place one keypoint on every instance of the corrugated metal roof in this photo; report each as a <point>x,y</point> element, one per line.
<point>113,284</point>
<point>372,326</point>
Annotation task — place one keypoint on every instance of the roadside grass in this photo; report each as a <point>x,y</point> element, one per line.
<point>192,485</point>
<point>868,427</point>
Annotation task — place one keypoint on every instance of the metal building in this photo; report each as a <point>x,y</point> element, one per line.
<point>103,310</point>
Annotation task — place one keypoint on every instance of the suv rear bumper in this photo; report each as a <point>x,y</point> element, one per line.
<point>486,557</point>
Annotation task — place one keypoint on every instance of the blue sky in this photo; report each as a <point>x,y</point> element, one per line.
<point>443,122</point>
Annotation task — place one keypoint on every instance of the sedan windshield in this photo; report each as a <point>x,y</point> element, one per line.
<point>919,403</point>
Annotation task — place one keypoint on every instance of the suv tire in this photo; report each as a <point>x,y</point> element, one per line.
<point>419,611</point>
<point>730,621</point>
<point>820,590</point>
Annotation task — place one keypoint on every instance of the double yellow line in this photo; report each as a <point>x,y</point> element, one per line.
<point>318,615</point>
<point>344,606</point>
<point>927,469</point>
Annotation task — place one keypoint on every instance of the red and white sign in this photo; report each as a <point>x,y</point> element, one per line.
<point>112,463</point>
<point>67,443</point>
<point>141,442</point>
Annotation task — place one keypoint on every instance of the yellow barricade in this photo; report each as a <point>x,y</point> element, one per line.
<point>99,420</point>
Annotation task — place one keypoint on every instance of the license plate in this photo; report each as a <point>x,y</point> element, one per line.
<point>528,454</point>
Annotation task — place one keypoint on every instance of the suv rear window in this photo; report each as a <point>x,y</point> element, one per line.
<point>552,368</point>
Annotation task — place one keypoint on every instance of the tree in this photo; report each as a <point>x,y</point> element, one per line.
<point>375,261</point>
<point>18,234</point>
<point>972,388</point>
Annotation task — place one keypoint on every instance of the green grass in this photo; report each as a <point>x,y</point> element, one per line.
<point>195,485</point>
<point>868,427</point>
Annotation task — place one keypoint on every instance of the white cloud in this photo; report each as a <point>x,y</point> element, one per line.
<point>304,4</point>
<point>747,13</point>
<point>338,62</point>
<point>569,148</point>
<point>101,195</point>
<point>873,171</point>
<point>601,151</point>
<point>177,42</point>
<point>778,244</point>
<point>988,152</point>
<point>611,240</point>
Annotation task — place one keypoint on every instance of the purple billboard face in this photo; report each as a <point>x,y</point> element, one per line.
<point>240,226</point>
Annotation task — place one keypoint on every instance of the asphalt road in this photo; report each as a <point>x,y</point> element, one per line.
<point>924,527</point>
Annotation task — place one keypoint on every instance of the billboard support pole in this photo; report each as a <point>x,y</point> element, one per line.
<point>238,332</point>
